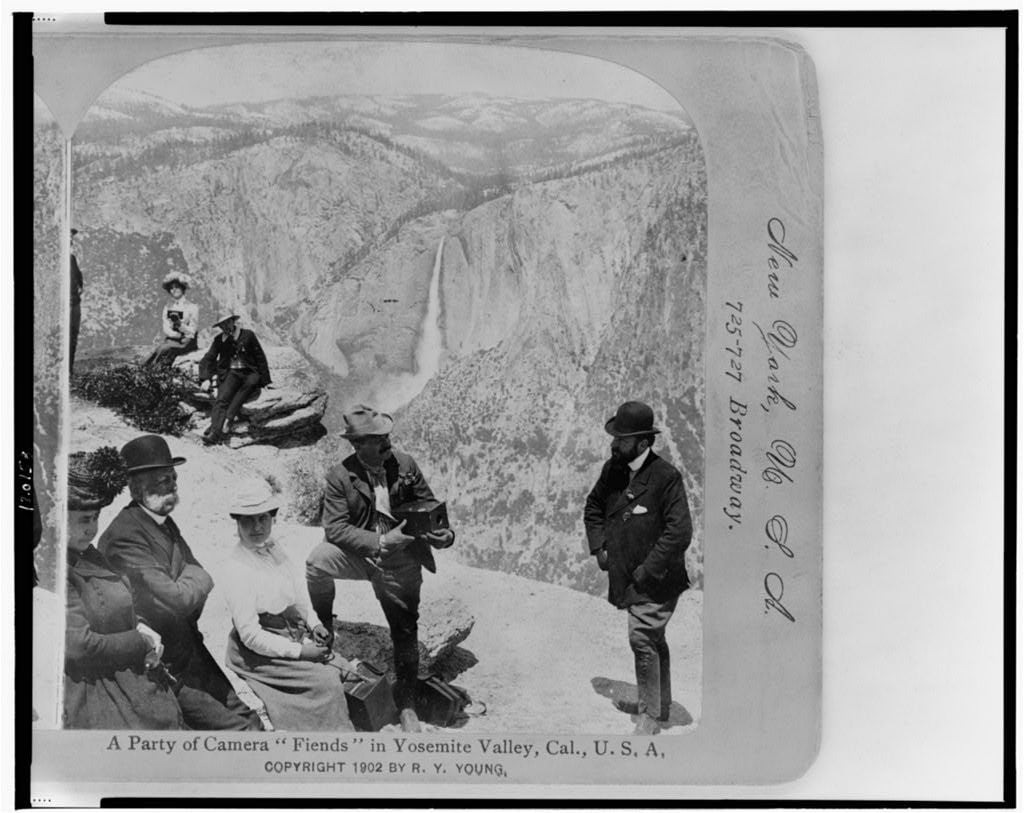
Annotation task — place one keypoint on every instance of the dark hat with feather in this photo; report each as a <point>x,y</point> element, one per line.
<point>95,478</point>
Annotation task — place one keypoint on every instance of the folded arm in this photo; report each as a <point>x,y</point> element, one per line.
<point>156,590</point>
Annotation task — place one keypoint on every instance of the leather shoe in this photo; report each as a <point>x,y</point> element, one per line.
<point>627,706</point>
<point>646,727</point>
<point>632,707</point>
<point>409,721</point>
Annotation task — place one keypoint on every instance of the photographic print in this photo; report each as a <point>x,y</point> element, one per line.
<point>394,376</point>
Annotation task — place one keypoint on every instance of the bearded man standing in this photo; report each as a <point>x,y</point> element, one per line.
<point>638,526</point>
<point>169,587</point>
<point>365,542</point>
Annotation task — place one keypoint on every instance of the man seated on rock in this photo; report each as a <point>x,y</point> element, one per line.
<point>238,365</point>
<point>364,542</point>
<point>169,587</point>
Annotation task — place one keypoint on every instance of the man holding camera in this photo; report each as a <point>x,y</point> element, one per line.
<point>365,542</point>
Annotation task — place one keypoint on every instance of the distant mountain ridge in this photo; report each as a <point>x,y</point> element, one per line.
<point>471,134</point>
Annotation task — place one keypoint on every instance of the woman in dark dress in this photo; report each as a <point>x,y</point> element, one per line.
<point>113,677</point>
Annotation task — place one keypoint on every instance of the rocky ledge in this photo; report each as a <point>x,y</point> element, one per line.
<point>288,413</point>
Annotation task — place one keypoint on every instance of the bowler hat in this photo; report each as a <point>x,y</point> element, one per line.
<point>630,419</point>
<point>227,315</point>
<point>364,420</point>
<point>148,452</point>
<point>254,498</point>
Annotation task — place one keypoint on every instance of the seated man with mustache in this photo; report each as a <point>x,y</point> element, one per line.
<point>169,587</point>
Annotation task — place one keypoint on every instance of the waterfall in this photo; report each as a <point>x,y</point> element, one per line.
<point>400,390</point>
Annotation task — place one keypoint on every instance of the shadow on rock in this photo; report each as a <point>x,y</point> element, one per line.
<point>372,643</point>
<point>454,663</point>
<point>618,691</point>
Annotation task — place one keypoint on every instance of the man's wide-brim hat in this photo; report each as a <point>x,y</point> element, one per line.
<point>254,498</point>
<point>364,420</point>
<point>631,419</point>
<point>179,278</point>
<point>225,317</point>
<point>148,452</point>
<point>95,478</point>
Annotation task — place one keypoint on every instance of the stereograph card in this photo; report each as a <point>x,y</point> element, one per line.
<point>504,249</point>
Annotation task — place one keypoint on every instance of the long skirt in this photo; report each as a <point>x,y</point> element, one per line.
<point>298,695</point>
<point>119,700</point>
<point>165,353</point>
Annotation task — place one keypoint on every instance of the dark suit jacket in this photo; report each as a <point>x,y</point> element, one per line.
<point>645,526</point>
<point>169,586</point>
<point>349,517</point>
<point>100,636</point>
<point>222,350</point>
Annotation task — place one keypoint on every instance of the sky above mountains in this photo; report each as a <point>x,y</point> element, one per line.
<point>268,71</point>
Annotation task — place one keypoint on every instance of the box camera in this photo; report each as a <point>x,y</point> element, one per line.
<point>422,517</point>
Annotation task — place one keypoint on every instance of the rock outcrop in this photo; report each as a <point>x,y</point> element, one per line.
<point>444,624</point>
<point>287,414</point>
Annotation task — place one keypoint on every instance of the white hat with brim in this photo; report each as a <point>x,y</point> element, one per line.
<point>363,421</point>
<point>254,498</point>
<point>224,318</point>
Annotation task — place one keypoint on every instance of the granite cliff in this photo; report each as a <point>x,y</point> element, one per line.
<point>500,273</point>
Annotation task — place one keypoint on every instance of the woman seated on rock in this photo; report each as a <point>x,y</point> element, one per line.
<point>180,322</point>
<point>278,645</point>
<point>113,675</point>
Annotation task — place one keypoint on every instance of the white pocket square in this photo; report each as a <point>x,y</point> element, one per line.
<point>639,509</point>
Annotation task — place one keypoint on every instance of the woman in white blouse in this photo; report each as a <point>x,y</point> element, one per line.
<point>278,645</point>
<point>180,322</point>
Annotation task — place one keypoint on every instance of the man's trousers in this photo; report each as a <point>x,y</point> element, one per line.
<point>396,583</point>
<point>231,394</point>
<point>208,703</point>
<point>647,624</point>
